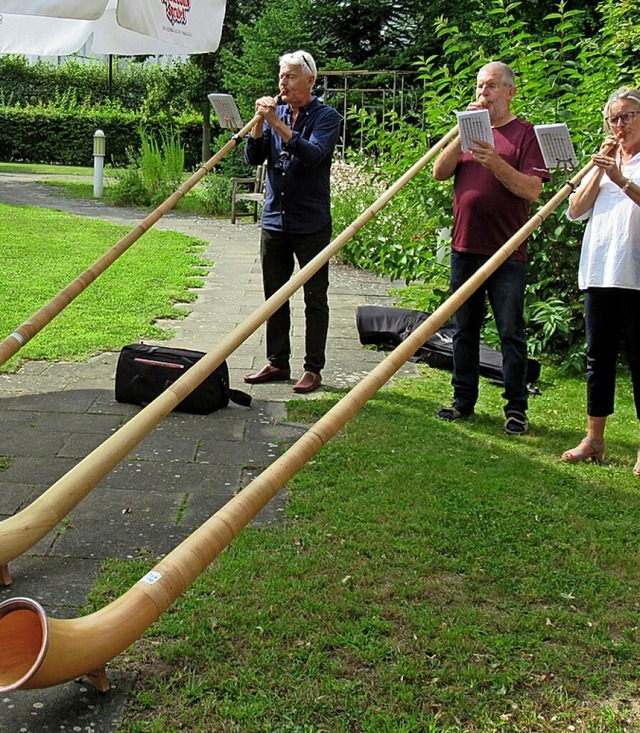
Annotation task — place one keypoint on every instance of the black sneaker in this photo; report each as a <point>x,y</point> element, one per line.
<point>451,414</point>
<point>516,423</point>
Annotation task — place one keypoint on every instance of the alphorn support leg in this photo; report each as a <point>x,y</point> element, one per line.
<point>98,679</point>
<point>5,575</point>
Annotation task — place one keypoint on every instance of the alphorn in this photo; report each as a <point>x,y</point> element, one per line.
<point>33,325</point>
<point>23,530</point>
<point>38,652</point>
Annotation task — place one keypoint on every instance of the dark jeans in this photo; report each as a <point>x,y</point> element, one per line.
<point>612,317</point>
<point>505,290</point>
<point>277,252</point>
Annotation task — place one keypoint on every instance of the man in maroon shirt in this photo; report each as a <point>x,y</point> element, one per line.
<point>493,188</point>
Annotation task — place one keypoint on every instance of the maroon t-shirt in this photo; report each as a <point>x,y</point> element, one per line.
<point>485,213</point>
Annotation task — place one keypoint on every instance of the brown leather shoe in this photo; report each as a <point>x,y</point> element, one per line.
<point>268,373</point>
<point>308,382</point>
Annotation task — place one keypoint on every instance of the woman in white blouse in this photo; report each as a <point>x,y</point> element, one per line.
<point>609,273</point>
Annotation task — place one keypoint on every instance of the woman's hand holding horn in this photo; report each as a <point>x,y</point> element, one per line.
<point>605,160</point>
<point>582,199</point>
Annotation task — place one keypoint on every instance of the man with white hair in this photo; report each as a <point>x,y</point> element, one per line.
<point>296,136</point>
<point>494,185</point>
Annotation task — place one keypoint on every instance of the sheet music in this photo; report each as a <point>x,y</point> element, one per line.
<point>474,124</point>
<point>556,146</point>
<point>226,110</point>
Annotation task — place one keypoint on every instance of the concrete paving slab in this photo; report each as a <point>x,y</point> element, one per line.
<point>59,583</point>
<point>36,470</point>
<point>74,706</point>
<point>126,525</point>
<point>15,496</point>
<point>32,442</point>
<point>49,422</point>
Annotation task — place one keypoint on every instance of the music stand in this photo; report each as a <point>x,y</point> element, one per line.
<point>556,146</point>
<point>226,110</point>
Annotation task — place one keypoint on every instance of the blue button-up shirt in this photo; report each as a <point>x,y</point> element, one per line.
<point>298,193</point>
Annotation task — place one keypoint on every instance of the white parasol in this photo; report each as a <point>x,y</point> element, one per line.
<point>124,27</point>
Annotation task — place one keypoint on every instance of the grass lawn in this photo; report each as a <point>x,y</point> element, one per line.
<point>428,577</point>
<point>46,169</point>
<point>188,204</point>
<point>45,250</point>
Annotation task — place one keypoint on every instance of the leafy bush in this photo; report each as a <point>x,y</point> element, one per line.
<point>150,89</point>
<point>49,112</point>
<point>48,134</point>
<point>153,174</point>
<point>403,240</point>
<point>214,194</point>
<point>161,164</point>
<point>129,188</point>
<point>562,77</point>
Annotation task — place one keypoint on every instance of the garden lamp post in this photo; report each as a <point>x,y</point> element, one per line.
<point>99,150</point>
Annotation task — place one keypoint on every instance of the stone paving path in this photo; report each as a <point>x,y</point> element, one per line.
<point>54,415</point>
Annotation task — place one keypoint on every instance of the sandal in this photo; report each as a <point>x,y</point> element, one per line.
<point>636,468</point>
<point>588,449</point>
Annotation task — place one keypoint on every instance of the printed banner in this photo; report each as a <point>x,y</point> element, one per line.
<point>192,23</point>
<point>125,27</point>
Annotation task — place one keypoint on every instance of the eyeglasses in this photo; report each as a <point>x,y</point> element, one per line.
<point>491,85</point>
<point>307,60</point>
<point>625,117</point>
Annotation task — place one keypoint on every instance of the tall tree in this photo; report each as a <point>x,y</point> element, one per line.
<point>210,66</point>
<point>252,70</point>
<point>374,34</point>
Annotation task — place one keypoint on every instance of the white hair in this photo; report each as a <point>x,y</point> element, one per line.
<point>508,77</point>
<point>303,59</point>
<point>633,95</point>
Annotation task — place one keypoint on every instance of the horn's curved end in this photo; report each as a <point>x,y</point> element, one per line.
<point>24,639</point>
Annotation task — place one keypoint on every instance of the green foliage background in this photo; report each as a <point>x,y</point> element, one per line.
<point>568,56</point>
<point>562,77</point>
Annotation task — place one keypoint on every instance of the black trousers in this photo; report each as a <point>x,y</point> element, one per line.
<point>505,290</point>
<point>278,252</point>
<point>612,318</point>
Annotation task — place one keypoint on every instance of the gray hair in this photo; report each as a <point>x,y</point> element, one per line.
<point>508,76</point>
<point>303,59</point>
<point>633,95</point>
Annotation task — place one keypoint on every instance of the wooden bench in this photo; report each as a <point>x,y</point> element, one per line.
<point>248,189</point>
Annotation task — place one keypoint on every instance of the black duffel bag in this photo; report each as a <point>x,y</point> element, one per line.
<point>143,372</point>
<point>387,327</point>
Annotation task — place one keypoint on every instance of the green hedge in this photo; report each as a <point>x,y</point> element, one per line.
<point>73,83</point>
<point>50,135</point>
